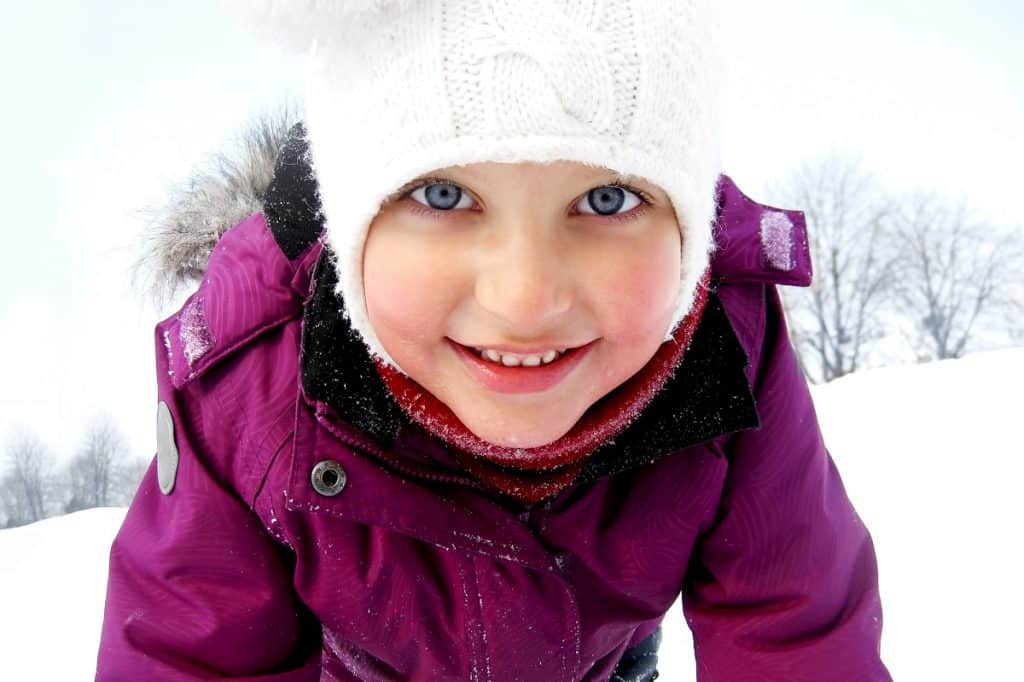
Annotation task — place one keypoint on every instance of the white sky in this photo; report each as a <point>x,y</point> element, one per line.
<point>109,103</point>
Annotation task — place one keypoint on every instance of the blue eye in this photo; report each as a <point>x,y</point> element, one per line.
<point>441,196</point>
<point>607,200</point>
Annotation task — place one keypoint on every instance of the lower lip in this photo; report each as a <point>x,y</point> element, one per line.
<point>502,379</point>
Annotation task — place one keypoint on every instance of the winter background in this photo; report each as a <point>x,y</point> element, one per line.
<point>109,104</point>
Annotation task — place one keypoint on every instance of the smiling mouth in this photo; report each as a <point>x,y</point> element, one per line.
<point>514,359</point>
<point>518,359</point>
<point>519,378</point>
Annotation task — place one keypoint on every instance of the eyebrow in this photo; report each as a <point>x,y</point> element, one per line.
<point>624,178</point>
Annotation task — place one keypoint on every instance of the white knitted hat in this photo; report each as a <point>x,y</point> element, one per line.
<point>398,88</point>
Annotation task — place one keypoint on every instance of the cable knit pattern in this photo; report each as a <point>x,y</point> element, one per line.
<point>540,66</point>
<point>400,88</point>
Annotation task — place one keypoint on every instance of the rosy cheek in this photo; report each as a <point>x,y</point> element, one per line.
<point>638,289</point>
<point>404,290</point>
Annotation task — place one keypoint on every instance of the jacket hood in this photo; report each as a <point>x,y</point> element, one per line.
<point>180,234</point>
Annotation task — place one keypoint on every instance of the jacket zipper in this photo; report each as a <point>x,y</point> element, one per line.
<point>368,447</point>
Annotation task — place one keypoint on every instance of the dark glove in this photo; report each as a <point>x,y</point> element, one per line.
<point>640,663</point>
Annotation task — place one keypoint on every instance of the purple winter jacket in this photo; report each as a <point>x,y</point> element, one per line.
<point>232,564</point>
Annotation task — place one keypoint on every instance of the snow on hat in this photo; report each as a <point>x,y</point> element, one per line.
<point>395,89</point>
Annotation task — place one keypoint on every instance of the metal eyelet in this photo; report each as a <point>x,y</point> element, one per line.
<point>328,478</point>
<point>166,449</point>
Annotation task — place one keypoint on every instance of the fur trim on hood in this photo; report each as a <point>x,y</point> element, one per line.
<point>181,234</point>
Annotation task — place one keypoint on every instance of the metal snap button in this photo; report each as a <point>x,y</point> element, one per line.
<point>328,478</point>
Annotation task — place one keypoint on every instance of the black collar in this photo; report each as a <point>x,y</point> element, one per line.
<point>708,395</point>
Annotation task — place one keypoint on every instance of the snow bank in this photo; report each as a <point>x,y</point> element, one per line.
<point>53,580</point>
<point>931,456</point>
<point>928,454</point>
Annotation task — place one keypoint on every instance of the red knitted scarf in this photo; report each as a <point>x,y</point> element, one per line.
<point>532,474</point>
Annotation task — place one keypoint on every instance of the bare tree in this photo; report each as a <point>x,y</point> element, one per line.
<point>848,223</point>
<point>90,472</point>
<point>26,489</point>
<point>957,277</point>
<point>127,476</point>
<point>102,474</point>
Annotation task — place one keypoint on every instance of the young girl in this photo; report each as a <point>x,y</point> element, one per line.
<point>492,373</point>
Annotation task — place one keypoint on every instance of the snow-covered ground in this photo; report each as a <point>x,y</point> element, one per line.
<point>53,577</point>
<point>930,457</point>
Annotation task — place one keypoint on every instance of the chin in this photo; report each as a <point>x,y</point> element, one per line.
<point>516,437</point>
<point>524,420</point>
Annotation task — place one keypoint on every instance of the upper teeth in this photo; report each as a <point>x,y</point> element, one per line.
<point>514,360</point>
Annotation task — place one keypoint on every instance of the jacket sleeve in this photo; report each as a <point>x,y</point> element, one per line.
<point>197,589</point>
<point>784,587</point>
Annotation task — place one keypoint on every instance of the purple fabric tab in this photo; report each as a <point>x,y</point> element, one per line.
<point>758,243</point>
<point>250,286</point>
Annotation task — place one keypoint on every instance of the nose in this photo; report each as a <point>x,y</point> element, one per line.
<point>526,283</point>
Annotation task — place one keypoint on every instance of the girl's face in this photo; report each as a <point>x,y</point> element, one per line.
<point>520,260</point>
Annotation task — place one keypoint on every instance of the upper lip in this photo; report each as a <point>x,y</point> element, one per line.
<point>530,350</point>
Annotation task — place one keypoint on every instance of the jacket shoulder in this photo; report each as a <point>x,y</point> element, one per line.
<point>250,286</point>
<point>227,361</point>
<point>757,248</point>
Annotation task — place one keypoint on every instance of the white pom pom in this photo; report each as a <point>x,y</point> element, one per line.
<point>296,24</point>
